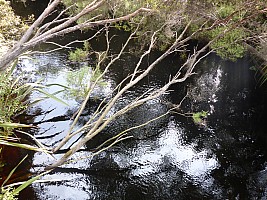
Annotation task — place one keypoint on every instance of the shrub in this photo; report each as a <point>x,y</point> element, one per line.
<point>11,26</point>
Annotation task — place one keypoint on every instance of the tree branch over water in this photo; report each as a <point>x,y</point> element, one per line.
<point>39,33</point>
<point>33,37</point>
<point>101,117</point>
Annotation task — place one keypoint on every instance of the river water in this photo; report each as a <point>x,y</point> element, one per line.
<point>172,158</point>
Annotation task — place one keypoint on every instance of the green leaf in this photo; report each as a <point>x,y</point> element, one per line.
<point>24,146</point>
<point>14,125</point>
<point>39,144</point>
<point>51,96</point>
<point>12,171</point>
<point>57,84</point>
<point>12,68</point>
<point>198,115</point>
<point>29,182</point>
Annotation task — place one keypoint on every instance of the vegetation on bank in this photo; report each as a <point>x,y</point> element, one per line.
<point>14,93</point>
<point>11,102</point>
<point>11,26</point>
<point>11,98</point>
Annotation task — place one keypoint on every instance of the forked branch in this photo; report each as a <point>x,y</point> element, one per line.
<point>103,119</point>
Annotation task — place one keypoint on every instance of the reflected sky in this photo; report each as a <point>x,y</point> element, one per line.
<point>170,156</point>
<point>171,148</point>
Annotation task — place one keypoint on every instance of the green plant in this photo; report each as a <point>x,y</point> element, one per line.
<point>10,98</point>
<point>13,98</point>
<point>225,10</point>
<point>14,142</point>
<point>11,26</point>
<point>8,192</point>
<point>263,77</point>
<point>80,54</point>
<point>198,116</point>
<point>230,45</point>
<point>80,81</point>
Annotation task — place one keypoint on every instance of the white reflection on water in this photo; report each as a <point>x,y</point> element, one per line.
<point>53,69</point>
<point>185,156</point>
<point>171,150</point>
<point>206,88</point>
<point>60,187</point>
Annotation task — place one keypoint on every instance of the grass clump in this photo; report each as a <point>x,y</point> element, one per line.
<point>8,194</point>
<point>11,98</point>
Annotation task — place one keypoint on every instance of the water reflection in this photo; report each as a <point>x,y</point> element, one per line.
<point>169,150</point>
<point>169,159</point>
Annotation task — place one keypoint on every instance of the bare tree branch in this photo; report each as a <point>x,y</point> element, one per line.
<point>32,38</point>
<point>102,121</point>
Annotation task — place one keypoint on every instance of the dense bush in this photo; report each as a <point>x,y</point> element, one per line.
<point>11,26</point>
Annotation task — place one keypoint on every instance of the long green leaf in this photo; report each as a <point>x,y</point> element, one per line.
<point>36,84</point>
<point>27,88</point>
<point>39,144</point>
<point>29,182</point>
<point>263,77</point>
<point>24,146</point>
<point>37,100</point>
<point>12,68</point>
<point>51,96</point>
<point>8,138</point>
<point>15,82</point>
<point>23,91</point>
<point>57,84</point>
<point>36,181</point>
<point>14,125</point>
<point>12,171</point>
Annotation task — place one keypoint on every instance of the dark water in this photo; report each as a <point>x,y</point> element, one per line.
<point>172,158</point>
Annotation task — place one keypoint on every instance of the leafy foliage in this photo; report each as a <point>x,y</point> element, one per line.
<point>170,17</point>
<point>11,26</point>
<point>229,46</point>
<point>197,117</point>
<point>80,54</point>
<point>80,81</point>
<point>8,194</point>
<point>228,32</point>
<point>10,98</point>
<point>13,98</point>
<point>167,16</point>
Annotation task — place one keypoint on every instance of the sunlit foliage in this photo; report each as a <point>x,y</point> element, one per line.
<point>11,26</point>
